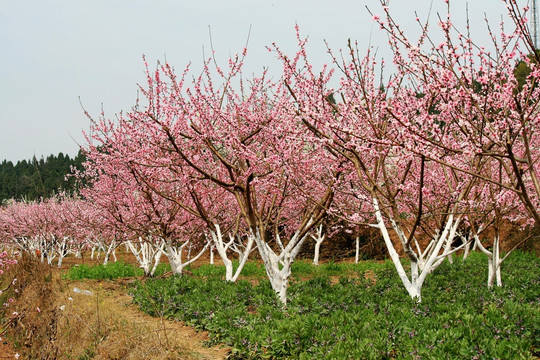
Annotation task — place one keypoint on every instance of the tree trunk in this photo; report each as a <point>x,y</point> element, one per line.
<point>222,248</point>
<point>316,253</point>
<point>494,261</point>
<point>148,255</point>
<point>243,259</point>
<point>319,238</point>
<point>467,248</point>
<point>414,284</point>
<point>157,259</point>
<point>413,290</point>
<point>175,256</point>
<point>110,249</point>
<point>279,277</point>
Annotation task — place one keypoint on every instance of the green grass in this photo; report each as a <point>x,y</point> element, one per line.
<point>112,270</point>
<point>305,268</point>
<point>459,318</point>
<point>251,268</point>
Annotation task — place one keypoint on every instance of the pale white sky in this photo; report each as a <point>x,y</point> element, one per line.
<point>54,51</point>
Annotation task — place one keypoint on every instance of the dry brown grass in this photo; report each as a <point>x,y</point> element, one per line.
<point>34,329</point>
<point>104,325</point>
<point>107,326</point>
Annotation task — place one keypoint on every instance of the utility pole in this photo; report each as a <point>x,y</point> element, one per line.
<point>534,23</point>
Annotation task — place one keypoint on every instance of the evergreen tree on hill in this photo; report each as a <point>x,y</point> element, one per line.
<point>33,179</point>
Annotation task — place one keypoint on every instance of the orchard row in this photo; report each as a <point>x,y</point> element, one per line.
<point>445,148</point>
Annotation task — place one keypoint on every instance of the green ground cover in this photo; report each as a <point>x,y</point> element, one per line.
<point>252,269</point>
<point>110,271</point>
<point>300,268</point>
<point>357,317</point>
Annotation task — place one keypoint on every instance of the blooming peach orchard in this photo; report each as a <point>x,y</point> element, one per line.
<point>445,148</point>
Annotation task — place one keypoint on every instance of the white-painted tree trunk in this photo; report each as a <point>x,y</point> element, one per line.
<point>110,250</point>
<point>448,252</point>
<point>222,248</point>
<point>157,259</point>
<point>278,266</point>
<point>278,271</point>
<point>419,269</point>
<point>467,250</point>
<point>147,253</point>
<point>51,255</point>
<point>494,260</point>
<point>62,251</point>
<point>60,259</point>
<point>357,253</point>
<point>319,238</point>
<point>447,249</point>
<point>211,255</point>
<point>189,251</point>
<point>174,254</point>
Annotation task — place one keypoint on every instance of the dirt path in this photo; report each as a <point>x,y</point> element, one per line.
<point>106,325</point>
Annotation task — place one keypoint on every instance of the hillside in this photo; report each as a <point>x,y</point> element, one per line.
<point>33,179</point>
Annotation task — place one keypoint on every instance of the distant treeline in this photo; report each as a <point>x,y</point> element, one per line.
<point>33,179</point>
